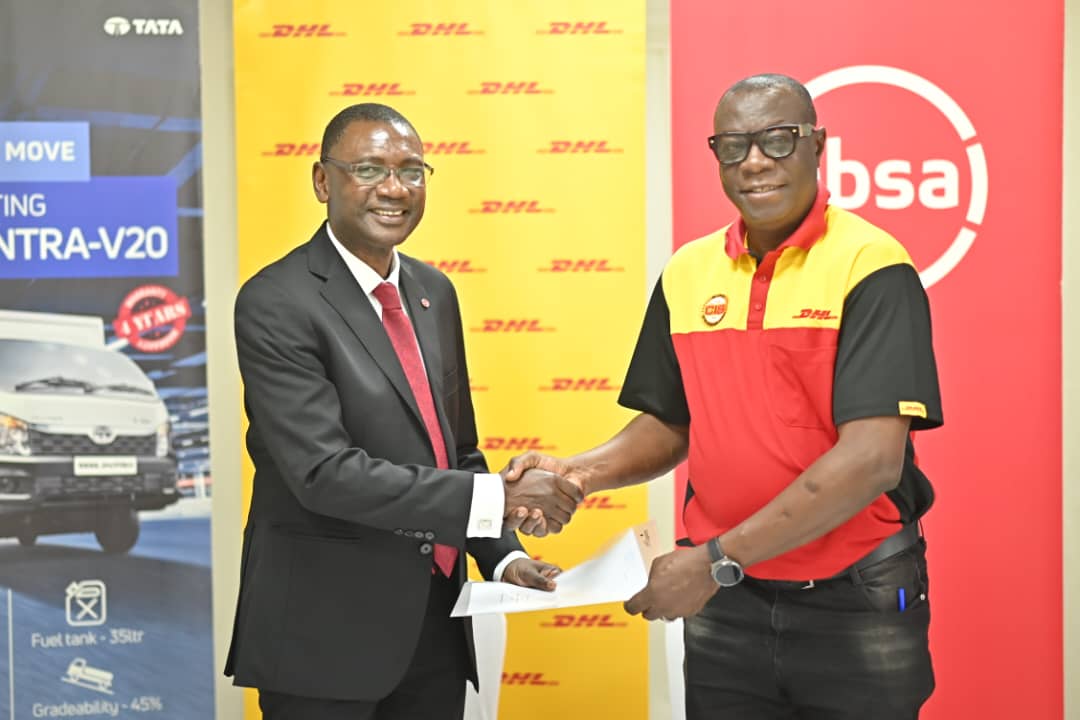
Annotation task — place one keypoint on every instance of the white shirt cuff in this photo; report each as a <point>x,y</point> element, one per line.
<point>488,505</point>
<point>497,575</point>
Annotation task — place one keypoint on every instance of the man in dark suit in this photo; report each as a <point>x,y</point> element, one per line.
<point>368,479</point>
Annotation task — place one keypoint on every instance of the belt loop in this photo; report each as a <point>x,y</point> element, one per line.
<point>855,575</point>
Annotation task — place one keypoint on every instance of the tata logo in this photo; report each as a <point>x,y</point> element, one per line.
<point>514,443</point>
<point>596,147</point>
<point>443,28</point>
<point>510,207</point>
<point>565,265</point>
<point>303,30</point>
<point>579,621</point>
<point>584,384</point>
<point>929,159</point>
<point>102,434</point>
<point>601,502</point>
<point>377,89</point>
<point>463,267</point>
<point>456,147</point>
<point>524,87</point>
<point>117,26</point>
<point>579,28</point>
<point>293,150</point>
<point>811,314</point>
<point>528,325</point>
<point>526,678</point>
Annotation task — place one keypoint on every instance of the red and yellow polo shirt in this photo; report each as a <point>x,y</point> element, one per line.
<point>764,360</point>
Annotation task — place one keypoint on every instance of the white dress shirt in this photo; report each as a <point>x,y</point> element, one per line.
<point>488,498</point>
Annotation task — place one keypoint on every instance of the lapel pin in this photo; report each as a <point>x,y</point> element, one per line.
<point>425,303</point>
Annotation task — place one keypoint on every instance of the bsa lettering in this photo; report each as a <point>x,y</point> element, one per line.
<point>456,266</point>
<point>579,28</point>
<point>508,326</point>
<point>510,207</point>
<point>812,314</point>
<point>601,502</point>
<point>293,149</point>
<point>568,621</point>
<point>525,87</point>
<point>561,265</point>
<point>369,89</point>
<point>526,678</point>
<point>579,384</point>
<point>561,147</point>
<point>435,29</point>
<point>302,31</point>
<point>456,147</point>
<point>514,443</point>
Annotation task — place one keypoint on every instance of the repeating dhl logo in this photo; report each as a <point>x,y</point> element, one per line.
<point>584,384</point>
<point>514,443</point>
<point>473,387</point>
<point>593,147</point>
<point>371,89</point>
<point>563,265</point>
<point>601,502</point>
<point>526,678</point>
<point>518,325</point>
<point>579,621</point>
<point>523,87</point>
<point>427,29</point>
<point>456,266</point>
<point>454,147</point>
<point>579,28</point>
<point>813,314</point>
<point>303,30</point>
<point>510,207</point>
<point>288,149</point>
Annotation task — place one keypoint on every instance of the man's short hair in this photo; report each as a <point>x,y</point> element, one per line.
<point>772,82</point>
<point>362,112</point>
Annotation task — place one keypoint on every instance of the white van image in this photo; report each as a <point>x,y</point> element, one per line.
<point>84,436</point>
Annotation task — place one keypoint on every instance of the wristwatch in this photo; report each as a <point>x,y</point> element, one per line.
<point>725,571</point>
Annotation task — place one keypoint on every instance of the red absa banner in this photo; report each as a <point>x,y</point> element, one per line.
<point>944,127</point>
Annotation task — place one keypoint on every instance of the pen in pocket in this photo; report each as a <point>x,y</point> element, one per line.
<point>901,599</point>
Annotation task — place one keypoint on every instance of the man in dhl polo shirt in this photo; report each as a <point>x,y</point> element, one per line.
<point>787,357</point>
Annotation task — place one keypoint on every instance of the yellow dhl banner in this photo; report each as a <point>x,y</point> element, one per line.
<point>534,117</point>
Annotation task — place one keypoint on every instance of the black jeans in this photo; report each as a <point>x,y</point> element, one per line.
<point>837,651</point>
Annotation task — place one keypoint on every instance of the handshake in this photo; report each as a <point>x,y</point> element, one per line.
<point>542,493</point>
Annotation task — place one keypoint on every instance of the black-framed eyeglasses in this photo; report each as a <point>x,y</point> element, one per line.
<point>372,174</point>
<point>776,142</point>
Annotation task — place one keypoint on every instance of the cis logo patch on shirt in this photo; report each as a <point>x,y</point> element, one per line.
<point>911,408</point>
<point>714,309</point>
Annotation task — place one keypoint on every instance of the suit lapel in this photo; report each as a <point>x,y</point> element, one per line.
<point>346,297</point>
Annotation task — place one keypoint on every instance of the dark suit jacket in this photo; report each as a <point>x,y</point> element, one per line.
<point>346,500</point>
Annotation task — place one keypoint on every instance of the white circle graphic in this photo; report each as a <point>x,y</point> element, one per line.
<point>885,75</point>
<point>117,26</point>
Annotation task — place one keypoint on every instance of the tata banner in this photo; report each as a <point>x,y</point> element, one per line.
<point>950,139</point>
<point>104,464</point>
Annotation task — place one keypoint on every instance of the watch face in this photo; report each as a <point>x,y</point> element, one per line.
<point>726,572</point>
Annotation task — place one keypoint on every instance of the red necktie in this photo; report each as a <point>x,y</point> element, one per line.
<point>403,339</point>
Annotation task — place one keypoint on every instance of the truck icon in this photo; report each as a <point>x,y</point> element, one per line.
<point>85,440</point>
<point>91,678</point>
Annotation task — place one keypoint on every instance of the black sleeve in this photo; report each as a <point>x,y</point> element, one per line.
<point>885,358</point>
<point>654,383</point>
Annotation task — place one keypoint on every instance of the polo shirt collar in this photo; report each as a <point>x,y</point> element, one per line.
<point>809,231</point>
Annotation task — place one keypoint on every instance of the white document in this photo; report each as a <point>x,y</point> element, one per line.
<point>615,574</point>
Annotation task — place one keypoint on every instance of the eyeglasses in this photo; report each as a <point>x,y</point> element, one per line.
<point>776,142</point>
<point>368,174</point>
